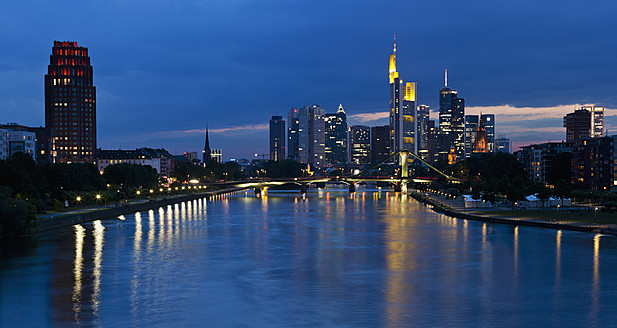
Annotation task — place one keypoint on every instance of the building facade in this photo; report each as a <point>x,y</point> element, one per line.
<point>159,159</point>
<point>277,138</point>
<point>451,124</point>
<point>593,163</point>
<point>359,144</point>
<point>422,127</point>
<point>403,110</point>
<point>336,137</point>
<point>17,141</point>
<point>537,159</point>
<point>578,125</point>
<point>380,143</point>
<point>306,135</point>
<point>70,104</point>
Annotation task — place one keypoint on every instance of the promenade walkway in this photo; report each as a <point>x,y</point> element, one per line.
<point>456,207</point>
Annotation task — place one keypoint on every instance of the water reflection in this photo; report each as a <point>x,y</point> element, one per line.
<point>99,239</point>
<point>80,234</point>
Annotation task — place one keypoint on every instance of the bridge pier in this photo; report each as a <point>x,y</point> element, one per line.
<point>397,187</point>
<point>257,190</point>
<point>303,188</point>
<point>404,188</point>
<point>264,191</point>
<point>352,187</point>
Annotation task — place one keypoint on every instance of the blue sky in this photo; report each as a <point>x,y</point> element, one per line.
<point>164,68</point>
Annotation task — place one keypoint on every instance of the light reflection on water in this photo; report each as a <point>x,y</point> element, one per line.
<point>371,259</point>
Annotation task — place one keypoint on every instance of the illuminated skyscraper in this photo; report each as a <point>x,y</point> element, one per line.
<point>360,144</point>
<point>336,137</point>
<point>277,138</point>
<point>70,104</point>
<point>422,127</point>
<point>403,109</point>
<point>306,135</point>
<point>451,124</point>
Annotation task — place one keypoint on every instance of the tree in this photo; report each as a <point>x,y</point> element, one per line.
<point>17,217</point>
<point>559,168</point>
<point>131,175</point>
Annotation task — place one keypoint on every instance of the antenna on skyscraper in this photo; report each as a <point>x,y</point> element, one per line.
<point>446,77</point>
<point>394,44</point>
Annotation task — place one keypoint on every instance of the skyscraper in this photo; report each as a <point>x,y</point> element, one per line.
<point>488,124</point>
<point>403,109</point>
<point>70,104</point>
<point>380,143</point>
<point>471,131</point>
<point>359,144</point>
<point>306,135</point>
<point>277,138</point>
<point>336,137</point>
<point>422,127</point>
<point>451,124</point>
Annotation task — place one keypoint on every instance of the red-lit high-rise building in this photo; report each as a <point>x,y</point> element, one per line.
<point>70,104</point>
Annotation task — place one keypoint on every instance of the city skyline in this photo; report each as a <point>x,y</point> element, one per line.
<point>160,80</point>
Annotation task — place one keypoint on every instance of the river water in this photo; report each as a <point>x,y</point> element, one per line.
<point>326,259</point>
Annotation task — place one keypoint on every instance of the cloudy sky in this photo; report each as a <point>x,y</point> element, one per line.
<point>163,68</point>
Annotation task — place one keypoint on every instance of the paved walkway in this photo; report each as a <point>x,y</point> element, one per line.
<point>457,205</point>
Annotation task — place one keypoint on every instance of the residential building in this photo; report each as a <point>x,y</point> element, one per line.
<point>593,163</point>
<point>70,104</point>
<point>14,141</point>
<point>537,159</point>
<point>159,159</point>
<point>578,125</point>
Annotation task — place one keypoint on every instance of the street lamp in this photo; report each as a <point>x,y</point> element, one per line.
<point>78,199</point>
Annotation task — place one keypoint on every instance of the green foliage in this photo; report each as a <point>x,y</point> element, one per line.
<point>73,177</point>
<point>185,171</point>
<point>560,168</point>
<point>17,217</point>
<point>131,175</point>
<point>284,169</point>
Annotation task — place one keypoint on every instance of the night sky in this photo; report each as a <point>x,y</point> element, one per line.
<point>164,68</point>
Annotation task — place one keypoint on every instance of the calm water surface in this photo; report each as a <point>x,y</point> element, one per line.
<point>327,259</point>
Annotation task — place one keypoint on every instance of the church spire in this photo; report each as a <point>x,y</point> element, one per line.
<point>206,151</point>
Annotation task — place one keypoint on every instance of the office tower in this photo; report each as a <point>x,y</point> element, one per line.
<point>488,124</point>
<point>471,131</point>
<point>432,149</point>
<point>578,125</point>
<point>359,144</point>
<point>205,157</point>
<point>422,127</point>
<point>307,135</point>
<point>380,143</point>
<point>502,144</point>
<point>277,138</point>
<point>597,120</point>
<point>293,130</point>
<point>336,137</point>
<point>70,104</point>
<point>403,109</point>
<point>451,124</point>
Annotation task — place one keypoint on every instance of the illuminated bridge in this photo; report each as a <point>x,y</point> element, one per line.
<point>399,182</point>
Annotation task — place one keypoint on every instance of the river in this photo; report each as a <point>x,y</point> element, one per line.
<point>324,259</point>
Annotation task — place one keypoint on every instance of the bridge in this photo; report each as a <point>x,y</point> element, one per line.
<point>400,183</point>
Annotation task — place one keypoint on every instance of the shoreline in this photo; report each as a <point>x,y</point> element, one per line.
<point>55,222</point>
<point>552,224</point>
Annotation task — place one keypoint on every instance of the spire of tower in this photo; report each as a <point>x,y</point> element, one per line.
<point>394,51</point>
<point>446,77</point>
<point>206,151</point>
<point>340,109</point>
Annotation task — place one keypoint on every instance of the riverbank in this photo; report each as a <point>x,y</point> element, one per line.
<point>52,222</point>
<point>452,208</point>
